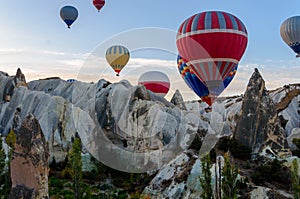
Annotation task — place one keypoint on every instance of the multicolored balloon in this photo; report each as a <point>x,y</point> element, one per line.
<point>198,86</point>
<point>117,57</point>
<point>212,43</point>
<point>155,81</point>
<point>290,33</point>
<point>99,4</point>
<point>68,14</point>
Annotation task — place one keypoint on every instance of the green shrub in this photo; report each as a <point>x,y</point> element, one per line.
<point>55,182</point>
<point>272,171</point>
<point>237,149</point>
<point>296,141</point>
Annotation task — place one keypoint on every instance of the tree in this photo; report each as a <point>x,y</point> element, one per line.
<point>205,180</point>
<point>296,152</point>
<point>2,157</point>
<point>229,179</point>
<point>295,179</point>
<point>10,140</point>
<point>4,174</point>
<point>76,166</point>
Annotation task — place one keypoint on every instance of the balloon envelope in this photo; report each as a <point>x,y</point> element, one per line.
<point>117,57</point>
<point>155,81</point>
<point>212,43</point>
<point>206,94</point>
<point>99,4</point>
<point>68,14</point>
<point>290,33</point>
<point>71,80</point>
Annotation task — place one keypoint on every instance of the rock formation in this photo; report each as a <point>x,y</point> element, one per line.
<point>129,117</point>
<point>12,83</point>
<point>258,125</point>
<point>178,179</point>
<point>177,100</point>
<point>29,164</point>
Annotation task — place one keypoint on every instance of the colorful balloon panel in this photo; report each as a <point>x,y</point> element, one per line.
<point>206,94</point>
<point>212,43</point>
<point>155,81</point>
<point>117,57</point>
<point>99,4</point>
<point>290,33</point>
<point>68,14</point>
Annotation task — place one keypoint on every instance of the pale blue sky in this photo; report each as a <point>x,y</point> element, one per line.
<point>33,37</point>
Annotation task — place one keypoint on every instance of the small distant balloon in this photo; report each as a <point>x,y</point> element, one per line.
<point>71,80</point>
<point>155,81</point>
<point>117,57</point>
<point>68,14</point>
<point>290,33</point>
<point>99,4</point>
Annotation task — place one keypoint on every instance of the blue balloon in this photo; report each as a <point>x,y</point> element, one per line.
<point>71,80</point>
<point>68,14</point>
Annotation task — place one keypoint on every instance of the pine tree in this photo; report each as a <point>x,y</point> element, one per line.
<point>295,179</point>
<point>205,180</point>
<point>4,190</point>
<point>218,178</point>
<point>229,179</point>
<point>88,193</point>
<point>2,157</point>
<point>10,140</point>
<point>76,167</point>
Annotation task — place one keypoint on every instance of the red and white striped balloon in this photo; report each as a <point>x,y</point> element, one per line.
<point>212,43</point>
<point>155,81</point>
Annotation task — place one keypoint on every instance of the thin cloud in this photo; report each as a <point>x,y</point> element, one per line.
<point>88,67</point>
<point>53,52</point>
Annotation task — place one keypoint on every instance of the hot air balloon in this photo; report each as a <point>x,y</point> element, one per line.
<point>98,4</point>
<point>290,33</point>
<point>71,80</point>
<point>198,86</point>
<point>212,43</point>
<point>155,81</point>
<point>68,14</point>
<point>117,57</point>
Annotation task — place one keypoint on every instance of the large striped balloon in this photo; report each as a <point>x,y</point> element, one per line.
<point>99,4</point>
<point>68,14</point>
<point>207,95</point>
<point>155,81</point>
<point>290,33</point>
<point>212,43</point>
<point>117,57</point>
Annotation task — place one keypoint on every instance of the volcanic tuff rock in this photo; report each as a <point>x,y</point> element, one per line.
<point>120,110</point>
<point>259,125</point>
<point>177,100</point>
<point>29,164</point>
<point>178,179</point>
<point>129,114</point>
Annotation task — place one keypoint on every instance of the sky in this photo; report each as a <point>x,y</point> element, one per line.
<point>34,38</point>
